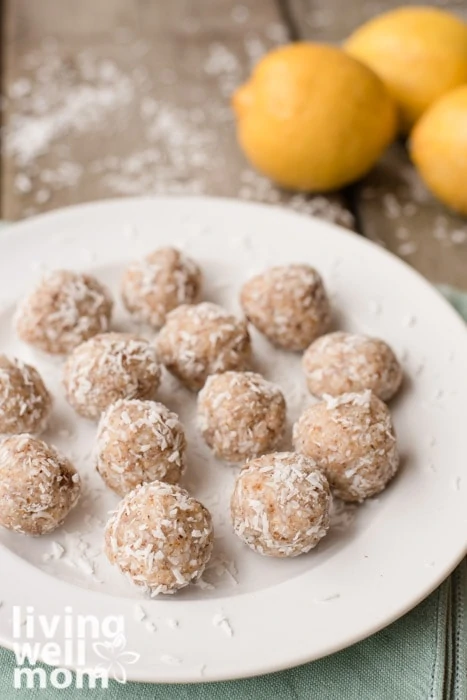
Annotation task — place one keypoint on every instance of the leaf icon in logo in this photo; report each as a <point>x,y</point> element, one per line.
<point>113,652</point>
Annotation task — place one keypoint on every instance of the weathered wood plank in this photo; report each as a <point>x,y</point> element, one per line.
<point>392,205</point>
<point>334,20</point>
<point>132,98</point>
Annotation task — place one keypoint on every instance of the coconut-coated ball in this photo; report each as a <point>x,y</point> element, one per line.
<point>342,363</point>
<point>25,403</point>
<point>160,537</point>
<point>352,438</point>
<point>240,415</point>
<point>38,486</point>
<point>281,503</point>
<point>139,441</point>
<point>109,367</point>
<point>65,309</point>
<point>200,340</point>
<point>288,304</point>
<point>163,280</point>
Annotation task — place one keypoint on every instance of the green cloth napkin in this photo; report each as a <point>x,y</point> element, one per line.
<point>422,656</point>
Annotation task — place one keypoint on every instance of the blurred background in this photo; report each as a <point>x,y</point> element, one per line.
<point>132,97</point>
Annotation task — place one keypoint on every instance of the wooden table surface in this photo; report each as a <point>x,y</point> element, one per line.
<point>130,97</point>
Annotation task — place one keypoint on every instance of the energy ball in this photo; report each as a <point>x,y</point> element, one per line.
<point>25,403</point>
<point>160,537</point>
<point>38,486</point>
<point>240,415</point>
<point>64,310</point>
<point>159,283</point>
<point>280,505</point>
<point>288,304</point>
<point>109,367</point>
<point>139,441</point>
<point>351,437</point>
<point>200,340</point>
<point>342,363</point>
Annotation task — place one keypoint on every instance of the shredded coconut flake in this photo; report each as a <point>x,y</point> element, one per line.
<point>170,660</point>
<point>221,621</point>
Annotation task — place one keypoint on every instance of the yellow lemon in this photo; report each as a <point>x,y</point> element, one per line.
<point>419,52</point>
<point>438,146</point>
<point>312,118</point>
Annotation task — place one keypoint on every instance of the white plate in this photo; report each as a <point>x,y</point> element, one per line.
<point>377,562</point>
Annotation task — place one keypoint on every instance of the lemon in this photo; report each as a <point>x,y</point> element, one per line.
<point>438,147</point>
<point>419,52</point>
<point>312,118</point>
